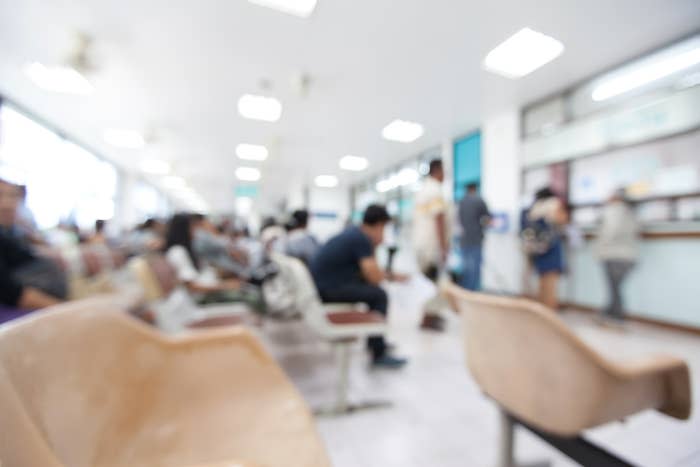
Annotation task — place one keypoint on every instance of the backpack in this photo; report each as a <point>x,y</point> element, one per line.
<point>538,236</point>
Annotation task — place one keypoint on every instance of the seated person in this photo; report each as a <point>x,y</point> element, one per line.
<point>300,243</point>
<point>345,270</point>
<point>200,278</point>
<point>14,258</point>
<point>146,238</point>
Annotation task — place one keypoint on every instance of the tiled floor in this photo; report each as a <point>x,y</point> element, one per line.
<point>440,418</point>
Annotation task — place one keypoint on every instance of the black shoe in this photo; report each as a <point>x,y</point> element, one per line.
<point>389,362</point>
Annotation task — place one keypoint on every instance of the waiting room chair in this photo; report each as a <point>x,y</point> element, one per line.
<point>340,324</point>
<point>84,385</point>
<point>545,378</point>
<point>173,307</point>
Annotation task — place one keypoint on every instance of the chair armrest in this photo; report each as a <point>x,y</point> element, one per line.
<point>336,307</point>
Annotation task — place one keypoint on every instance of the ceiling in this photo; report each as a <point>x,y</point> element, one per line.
<point>176,68</point>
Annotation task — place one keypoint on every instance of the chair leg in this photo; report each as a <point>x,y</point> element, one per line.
<point>507,447</point>
<point>343,356</point>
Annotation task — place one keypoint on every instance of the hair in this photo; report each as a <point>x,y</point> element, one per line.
<point>435,165</point>
<point>197,217</point>
<point>375,214</point>
<point>300,219</point>
<point>100,225</point>
<point>472,186</point>
<point>544,193</point>
<point>149,224</point>
<point>268,222</point>
<point>179,234</point>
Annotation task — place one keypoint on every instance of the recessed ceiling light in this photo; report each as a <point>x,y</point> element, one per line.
<point>251,152</point>
<point>155,167</point>
<point>61,79</point>
<point>267,109</point>
<point>326,181</point>
<point>645,74</point>
<point>126,139</point>
<point>353,163</point>
<point>300,8</point>
<point>522,53</point>
<point>402,131</point>
<point>248,174</point>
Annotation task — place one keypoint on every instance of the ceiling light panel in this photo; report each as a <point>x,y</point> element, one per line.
<point>248,174</point>
<point>300,8</point>
<point>522,53</point>
<point>61,79</point>
<point>252,152</point>
<point>402,131</point>
<point>126,139</point>
<point>353,163</point>
<point>326,181</point>
<point>267,109</point>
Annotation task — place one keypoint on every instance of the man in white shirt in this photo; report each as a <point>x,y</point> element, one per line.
<point>430,239</point>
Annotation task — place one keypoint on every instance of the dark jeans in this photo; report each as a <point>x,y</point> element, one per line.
<point>616,271</point>
<point>373,296</point>
<point>471,267</point>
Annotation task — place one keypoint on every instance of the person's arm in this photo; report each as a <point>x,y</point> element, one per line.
<point>228,284</point>
<point>33,299</point>
<point>442,234</point>
<point>371,271</point>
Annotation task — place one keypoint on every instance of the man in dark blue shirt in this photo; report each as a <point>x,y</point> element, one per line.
<point>345,270</point>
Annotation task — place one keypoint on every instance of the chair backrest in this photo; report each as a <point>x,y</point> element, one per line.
<point>307,299</point>
<point>156,276</point>
<point>527,360</point>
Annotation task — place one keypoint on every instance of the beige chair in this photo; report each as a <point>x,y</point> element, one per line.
<point>541,374</point>
<point>172,306</point>
<point>85,385</point>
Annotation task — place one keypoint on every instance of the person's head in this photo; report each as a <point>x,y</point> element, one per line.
<point>619,195</point>
<point>179,233</point>
<point>9,201</point>
<point>544,193</point>
<point>472,188</point>
<point>436,171</point>
<point>300,219</point>
<point>374,220</point>
<point>100,226</point>
<point>268,222</point>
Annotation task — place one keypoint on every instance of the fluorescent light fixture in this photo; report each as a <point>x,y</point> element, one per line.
<point>645,74</point>
<point>175,183</point>
<point>300,8</point>
<point>155,167</point>
<point>60,79</point>
<point>353,163</point>
<point>251,152</point>
<point>326,181</point>
<point>267,109</point>
<point>402,131</point>
<point>407,176</point>
<point>126,139</point>
<point>522,53</point>
<point>248,174</point>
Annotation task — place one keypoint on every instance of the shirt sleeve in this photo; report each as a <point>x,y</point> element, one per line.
<point>431,201</point>
<point>180,260</point>
<point>362,248</point>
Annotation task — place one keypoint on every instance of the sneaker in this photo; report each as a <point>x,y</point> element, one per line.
<point>389,362</point>
<point>433,323</point>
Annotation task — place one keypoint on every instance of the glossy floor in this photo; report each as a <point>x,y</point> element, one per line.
<point>440,418</point>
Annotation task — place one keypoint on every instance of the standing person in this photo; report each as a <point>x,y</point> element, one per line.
<point>543,239</point>
<point>430,239</point>
<point>474,216</point>
<point>346,270</point>
<point>618,248</point>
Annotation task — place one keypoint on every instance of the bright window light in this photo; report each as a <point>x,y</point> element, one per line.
<point>300,8</point>
<point>326,181</point>
<point>402,131</point>
<point>243,205</point>
<point>155,167</point>
<point>353,163</point>
<point>407,176</point>
<point>646,74</point>
<point>126,139</point>
<point>251,152</point>
<point>60,79</point>
<point>522,53</point>
<point>248,174</point>
<point>267,109</point>
<point>174,182</point>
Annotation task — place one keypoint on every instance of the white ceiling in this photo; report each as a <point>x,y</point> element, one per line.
<point>179,66</point>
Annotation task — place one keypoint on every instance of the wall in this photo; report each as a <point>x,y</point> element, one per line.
<point>324,202</point>
<point>500,185</point>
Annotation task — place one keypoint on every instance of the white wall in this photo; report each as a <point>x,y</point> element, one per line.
<point>327,201</point>
<point>500,180</point>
